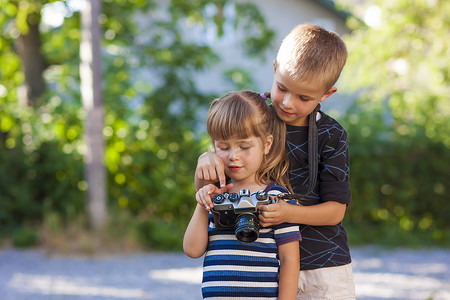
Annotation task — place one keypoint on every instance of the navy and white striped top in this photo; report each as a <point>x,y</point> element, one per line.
<point>236,270</point>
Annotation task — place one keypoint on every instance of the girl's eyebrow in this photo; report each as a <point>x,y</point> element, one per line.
<point>245,141</point>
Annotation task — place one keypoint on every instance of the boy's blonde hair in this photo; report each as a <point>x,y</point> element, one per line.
<point>310,52</point>
<point>245,114</point>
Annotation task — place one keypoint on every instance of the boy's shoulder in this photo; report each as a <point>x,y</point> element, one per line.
<point>327,127</point>
<point>326,121</point>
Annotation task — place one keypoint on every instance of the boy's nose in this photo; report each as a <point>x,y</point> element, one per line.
<point>287,101</point>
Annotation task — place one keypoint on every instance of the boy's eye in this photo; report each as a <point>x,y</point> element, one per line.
<point>281,89</point>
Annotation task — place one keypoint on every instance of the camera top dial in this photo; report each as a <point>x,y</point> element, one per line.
<point>233,197</point>
<point>218,199</point>
<point>261,195</point>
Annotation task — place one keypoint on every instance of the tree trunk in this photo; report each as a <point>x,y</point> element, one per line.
<point>90,75</point>
<point>28,46</point>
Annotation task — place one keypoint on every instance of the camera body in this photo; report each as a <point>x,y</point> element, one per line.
<point>240,212</point>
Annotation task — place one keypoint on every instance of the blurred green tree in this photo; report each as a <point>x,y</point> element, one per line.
<point>151,126</point>
<point>399,129</point>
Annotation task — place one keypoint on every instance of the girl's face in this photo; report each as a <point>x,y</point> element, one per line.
<point>242,157</point>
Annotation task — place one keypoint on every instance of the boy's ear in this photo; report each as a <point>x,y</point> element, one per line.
<point>268,144</point>
<point>274,66</point>
<point>328,93</point>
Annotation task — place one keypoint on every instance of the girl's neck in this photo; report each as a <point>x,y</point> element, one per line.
<point>253,187</point>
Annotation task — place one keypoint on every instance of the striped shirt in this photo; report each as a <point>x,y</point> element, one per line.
<point>236,270</point>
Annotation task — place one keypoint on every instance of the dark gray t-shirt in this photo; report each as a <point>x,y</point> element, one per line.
<point>322,246</point>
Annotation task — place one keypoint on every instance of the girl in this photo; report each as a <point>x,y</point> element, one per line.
<point>242,128</point>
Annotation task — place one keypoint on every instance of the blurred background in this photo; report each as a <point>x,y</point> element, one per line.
<point>102,110</point>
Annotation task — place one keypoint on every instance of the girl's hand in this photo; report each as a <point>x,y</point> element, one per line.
<point>210,168</point>
<point>273,214</point>
<point>205,195</point>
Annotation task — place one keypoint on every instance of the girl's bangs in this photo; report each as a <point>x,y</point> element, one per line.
<point>239,124</point>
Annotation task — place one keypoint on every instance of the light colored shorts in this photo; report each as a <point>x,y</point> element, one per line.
<point>334,283</point>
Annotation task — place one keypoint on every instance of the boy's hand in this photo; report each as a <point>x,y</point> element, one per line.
<point>210,168</point>
<point>273,214</point>
<point>205,195</point>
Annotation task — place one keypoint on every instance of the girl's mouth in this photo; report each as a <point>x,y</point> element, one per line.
<point>234,168</point>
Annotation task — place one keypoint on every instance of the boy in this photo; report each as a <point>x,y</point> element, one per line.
<point>308,64</point>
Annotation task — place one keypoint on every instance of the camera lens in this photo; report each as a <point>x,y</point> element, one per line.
<point>247,228</point>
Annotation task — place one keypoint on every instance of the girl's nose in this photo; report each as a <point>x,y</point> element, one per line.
<point>232,154</point>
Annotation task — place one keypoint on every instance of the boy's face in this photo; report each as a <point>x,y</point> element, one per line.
<point>294,100</point>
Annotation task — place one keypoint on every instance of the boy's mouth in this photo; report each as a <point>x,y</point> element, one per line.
<point>285,112</point>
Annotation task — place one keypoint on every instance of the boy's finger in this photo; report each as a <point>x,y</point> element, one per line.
<point>263,207</point>
<point>208,175</point>
<point>221,176</point>
<point>224,189</point>
<point>199,174</point>
<point>228,187</point>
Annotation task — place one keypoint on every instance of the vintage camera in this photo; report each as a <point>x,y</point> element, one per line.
<point>239,212</point>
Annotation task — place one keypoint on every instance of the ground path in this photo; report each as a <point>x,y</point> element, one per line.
<point>30,274</point>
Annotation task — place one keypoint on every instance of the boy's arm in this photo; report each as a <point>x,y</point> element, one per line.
<point>289,255</point>
<point>324,214</point>
<point>209,169</point>
<point>195,239</point>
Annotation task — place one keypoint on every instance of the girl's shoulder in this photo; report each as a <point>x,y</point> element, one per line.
<point>273,188</point>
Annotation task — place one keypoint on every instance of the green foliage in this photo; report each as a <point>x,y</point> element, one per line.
<point>399,184</point>
<point>24,237</point>
<point>151,108</point>
<point>399,141</point>
<point>399,128</point>
<point>240,78</point>
<point>159,234</point>
<point>36,175</point>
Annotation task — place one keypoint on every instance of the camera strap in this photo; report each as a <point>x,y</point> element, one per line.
<point>313,163</point>
<point>313,156</point>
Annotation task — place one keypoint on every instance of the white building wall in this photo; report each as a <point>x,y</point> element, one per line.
<point>281,16</point>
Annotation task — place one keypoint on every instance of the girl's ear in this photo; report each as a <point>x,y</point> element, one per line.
<point>268,144</point>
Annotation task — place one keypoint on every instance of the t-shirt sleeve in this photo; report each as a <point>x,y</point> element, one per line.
<point>285,232</point>
<point>334,168</point>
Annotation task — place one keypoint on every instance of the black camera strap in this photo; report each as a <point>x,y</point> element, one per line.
<point>313,163</point>
<point>313,156</point>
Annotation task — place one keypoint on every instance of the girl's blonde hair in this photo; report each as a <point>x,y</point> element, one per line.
<point>245,114</point>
